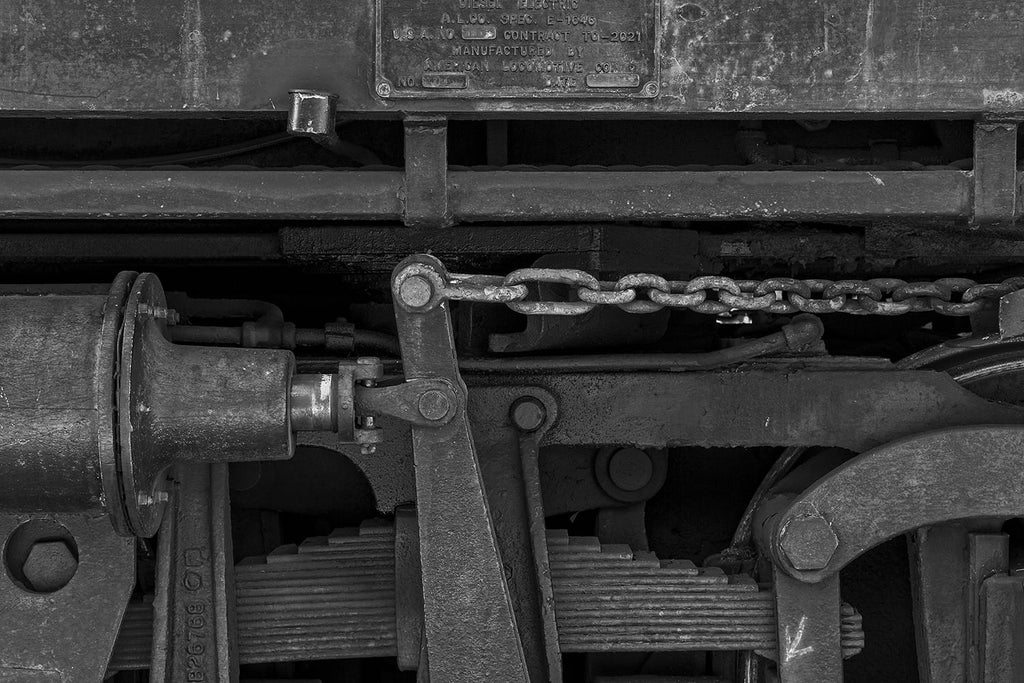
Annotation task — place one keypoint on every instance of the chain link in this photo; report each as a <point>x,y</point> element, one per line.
<point>723,296</point>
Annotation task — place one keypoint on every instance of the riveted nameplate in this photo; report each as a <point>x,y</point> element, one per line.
<point>516,48</point>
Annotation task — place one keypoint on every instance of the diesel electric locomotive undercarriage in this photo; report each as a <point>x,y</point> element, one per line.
<point>605,341</point>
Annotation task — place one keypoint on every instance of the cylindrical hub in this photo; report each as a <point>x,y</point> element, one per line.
<point>96,404</point>
<point>57,398</point>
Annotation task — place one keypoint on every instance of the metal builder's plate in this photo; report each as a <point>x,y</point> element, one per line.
<point>517,48</point>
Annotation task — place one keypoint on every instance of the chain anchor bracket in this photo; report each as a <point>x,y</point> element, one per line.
<point>456,528</point>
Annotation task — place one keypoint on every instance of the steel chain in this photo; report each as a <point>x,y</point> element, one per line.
<point>719,295</point>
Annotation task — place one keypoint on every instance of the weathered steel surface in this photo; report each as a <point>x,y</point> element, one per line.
<point>753,407</point>
<point>520,48</point>
<point>67,635</point>
<point>709,195</point>
<point>426,169</point>
<point>340,597</point>
<point>716,56</point>
<point>846,408</point>
<point>809,630</point>
<point>194,626</point>
<point>191,404</point>
<point>938,575</point>
<point>469,622</point>
<point>52,424</point>
<point>511,477</point>
<point>1002,608</point>
<point>939,476</point>
<point>216,194</point>
<point>488,195</point>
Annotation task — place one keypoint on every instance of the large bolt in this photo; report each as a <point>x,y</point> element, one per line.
<point>630,469</point>
<point>528,414</point>
<point>808,542</point>
<point>416,291</point>
<point>434,405</point>
<point>49,566</point>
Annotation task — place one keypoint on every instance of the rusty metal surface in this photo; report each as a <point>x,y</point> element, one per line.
<point>716,56</point>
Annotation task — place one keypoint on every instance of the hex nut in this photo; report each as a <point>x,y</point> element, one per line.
<point>808,542</point>
<point>49,566</point>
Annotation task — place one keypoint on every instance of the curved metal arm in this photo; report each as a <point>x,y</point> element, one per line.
<point>960,473</point>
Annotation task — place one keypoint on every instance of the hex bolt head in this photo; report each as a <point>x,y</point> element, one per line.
<point>434,405</point>
<point>416,291</point>
<point>49,566</point>
<point>528,414</point>
<point>808,542</point>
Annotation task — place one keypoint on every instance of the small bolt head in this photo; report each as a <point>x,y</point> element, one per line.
<point>416,291</point>
<point>434,405</point>
<point>49,566</point>
<point>808,542</point>
<point>528,414</point>
<point>384,89</point>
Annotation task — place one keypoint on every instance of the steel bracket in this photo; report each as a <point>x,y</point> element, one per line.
<point>932,478</point>
<point>66,634</point>
<point>430,402</point>
<point>469,623</point>
<point>194,622</point>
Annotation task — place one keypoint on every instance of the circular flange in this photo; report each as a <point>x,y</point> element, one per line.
<point>629,474</point>
<point>143,487</point>
<point>107,368</point>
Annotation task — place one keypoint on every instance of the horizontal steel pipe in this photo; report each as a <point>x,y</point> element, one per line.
<point>476,196</point>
